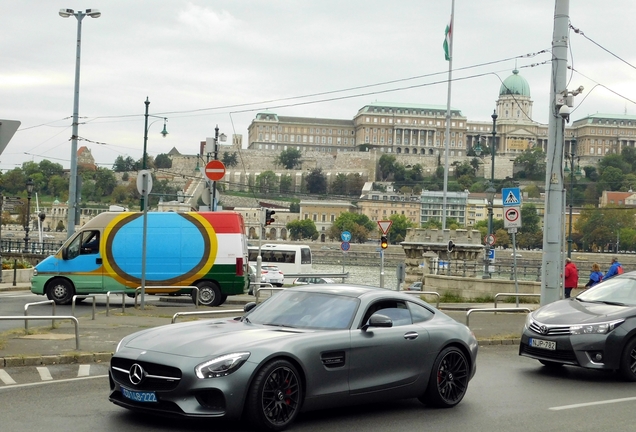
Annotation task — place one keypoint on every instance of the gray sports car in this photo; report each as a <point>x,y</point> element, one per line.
<point>305,348</point>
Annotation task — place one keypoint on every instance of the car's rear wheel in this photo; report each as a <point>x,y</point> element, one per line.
<point>61,291</point>
<point>275,397</point>
<point>449,379</point>
<point>628,361</point>
<point>209,294</point>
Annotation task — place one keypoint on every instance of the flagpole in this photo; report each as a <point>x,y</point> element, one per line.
<point>449,46</point>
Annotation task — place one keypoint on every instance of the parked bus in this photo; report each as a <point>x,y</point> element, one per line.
<point>207,250</point>
<point>290,259</point>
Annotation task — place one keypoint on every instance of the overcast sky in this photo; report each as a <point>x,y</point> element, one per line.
<point>202,62</point>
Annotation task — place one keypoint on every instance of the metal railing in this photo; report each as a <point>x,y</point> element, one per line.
<point>470,311</point>
<point>170,288</point>
<point>269,288</point>
<point>513,295</point>
<point>16,245</point>
<point>123,301</point>
<point>75,297</point>
<point>525,271</point>
<point>425,293</point>
<point>53,318</point>
<point>217,312</point>
<point>26,311</point>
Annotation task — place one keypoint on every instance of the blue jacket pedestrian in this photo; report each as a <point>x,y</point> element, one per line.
<point>614,269</point>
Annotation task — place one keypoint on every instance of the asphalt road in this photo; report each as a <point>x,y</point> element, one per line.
<point>509,393</point>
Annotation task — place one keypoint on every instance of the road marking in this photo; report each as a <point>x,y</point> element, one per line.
<point>51,382</point>
<point>45,374</point>
<point>84,370</point>
<point>6,378</point>
<point>587,404</point>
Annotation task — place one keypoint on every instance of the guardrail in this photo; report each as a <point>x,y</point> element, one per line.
<point>123,301</point>
<point>425,293</point>
<point>53,318</point>
<point>259,285</point>
<point>513,295</point>
<point>217,312</point>
<point>470,311</point>
<point>170,288</point>
<point>342,276</point>
<point>75,297</point>
<point>271,289</point>
<point>26,311</point>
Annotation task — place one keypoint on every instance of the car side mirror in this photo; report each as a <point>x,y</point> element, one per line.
<point>249,306</point>
<point>378,320</point>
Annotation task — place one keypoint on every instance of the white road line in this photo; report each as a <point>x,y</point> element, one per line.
<point>33,384</point>
<point>84,370</point>
<point>587,404</point>
<point>45,374</point>
<point>5,377</point>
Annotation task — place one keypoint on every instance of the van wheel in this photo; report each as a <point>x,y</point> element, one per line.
<point>61,291</point>
<point>209,294</point>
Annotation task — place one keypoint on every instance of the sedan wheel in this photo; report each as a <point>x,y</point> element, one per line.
<point>628,361</point>
<point>61,291</point>
<point>275,396</point>
<point>449,379</point>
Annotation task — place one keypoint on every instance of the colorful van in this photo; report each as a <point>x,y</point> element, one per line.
<point>203,249</point>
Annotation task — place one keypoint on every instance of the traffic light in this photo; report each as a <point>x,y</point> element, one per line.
<point>384,243</point>
<point>268,217</point>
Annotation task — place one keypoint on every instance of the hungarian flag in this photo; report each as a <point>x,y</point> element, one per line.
<point>447,41</point>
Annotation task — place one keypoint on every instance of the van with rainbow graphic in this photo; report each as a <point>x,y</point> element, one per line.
<point>203,249</point>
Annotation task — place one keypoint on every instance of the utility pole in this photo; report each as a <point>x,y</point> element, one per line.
<point>551,268</point>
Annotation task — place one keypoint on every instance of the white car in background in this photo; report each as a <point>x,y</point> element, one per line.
<point>312,280</point>
<point>271,274</point>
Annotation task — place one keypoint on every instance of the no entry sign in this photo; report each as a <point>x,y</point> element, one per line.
<point>215,170</point>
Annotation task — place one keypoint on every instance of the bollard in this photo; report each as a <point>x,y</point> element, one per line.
<point>15,272</point>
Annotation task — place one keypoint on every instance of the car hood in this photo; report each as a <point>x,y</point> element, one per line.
<point>572,311</point>
<point>201,339</point>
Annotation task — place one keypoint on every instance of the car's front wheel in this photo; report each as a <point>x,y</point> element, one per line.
<point>628,361</point>
<point>275,397</point>
<point>209,294</point>
<point>61,291</point>
<point>449,379</point>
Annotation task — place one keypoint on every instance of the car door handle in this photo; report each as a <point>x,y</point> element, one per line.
<point>98,260</point>
<point>411,335</point>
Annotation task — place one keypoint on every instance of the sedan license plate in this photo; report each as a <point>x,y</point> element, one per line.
<point>543,344</point>
<point>139,396</point>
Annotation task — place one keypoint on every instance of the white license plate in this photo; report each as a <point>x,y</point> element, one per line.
<point>139,396</point>
<point>543,344</point>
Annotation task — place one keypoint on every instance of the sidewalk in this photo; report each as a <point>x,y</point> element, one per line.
<point>99,338</point>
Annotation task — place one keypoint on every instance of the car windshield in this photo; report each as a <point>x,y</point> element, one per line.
<point>305,309</point>
<point>617,290</point>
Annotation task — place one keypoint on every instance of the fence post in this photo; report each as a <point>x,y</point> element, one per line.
<point>15,271</point>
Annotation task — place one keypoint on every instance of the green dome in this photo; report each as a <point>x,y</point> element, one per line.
<point>515,84</point>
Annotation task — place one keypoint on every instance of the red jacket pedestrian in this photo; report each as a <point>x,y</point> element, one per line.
<point>571,277</point>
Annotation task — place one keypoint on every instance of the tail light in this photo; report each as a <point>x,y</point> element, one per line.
<point>239,267</point>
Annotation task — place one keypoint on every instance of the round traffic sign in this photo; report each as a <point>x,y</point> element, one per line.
<point>490,239</point>
<point>345,246</point>
<point>215,170</point>
<point>345,236</point>
<point>511,214</point>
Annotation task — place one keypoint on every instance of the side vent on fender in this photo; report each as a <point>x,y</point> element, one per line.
<point>333,359</point>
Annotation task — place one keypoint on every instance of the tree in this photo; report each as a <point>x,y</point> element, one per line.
<point>124,164</point>
<point>611,179</point>
<point>502,238</point>
<point>289,159</point>
<point>529,219</point>
<point>163,161</point>
<point>267,182</point>
<point>532,191</point>
<point>400,224</point>
<point>230,159</point>
<point>386,166</point>
<point>533,163</point>
<point>294,207</point>
<point>286,184</point>
<point>600,226</point>
<point>615,161</point>
<point>358,225</point>
<point>339,185</point>
<point>302,229</point>
<point>316,182</point>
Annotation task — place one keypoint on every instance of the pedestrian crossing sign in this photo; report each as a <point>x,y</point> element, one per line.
<point>511,197</point>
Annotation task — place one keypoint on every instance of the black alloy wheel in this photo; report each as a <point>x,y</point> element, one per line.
<point>628,361</point>
<point>449,379</point>
<point>275,397</point>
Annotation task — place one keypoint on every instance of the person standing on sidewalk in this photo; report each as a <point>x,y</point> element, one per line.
<point>615,269</point>
<point>571,277</point>
<point>595,277</point>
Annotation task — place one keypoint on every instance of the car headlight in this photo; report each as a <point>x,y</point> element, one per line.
<point>221,366</point>
<point>599,328</point>
<point>528,321</point>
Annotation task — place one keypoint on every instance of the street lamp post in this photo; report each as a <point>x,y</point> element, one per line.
<point>572,158</point>
<point>490,192</point>
<point>72,190</point>
<point>164,132</point>
<point>490,197</point>
<point>29,188</point>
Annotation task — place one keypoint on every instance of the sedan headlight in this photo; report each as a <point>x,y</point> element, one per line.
<point>529,320</point>
<point>221,366</point>
<point>599,328</point>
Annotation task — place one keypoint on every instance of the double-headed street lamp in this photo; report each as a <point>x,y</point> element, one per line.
<point>72,190</point>
<point>29,188</point>
<point>572,158</point>
<point>164,132</point>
